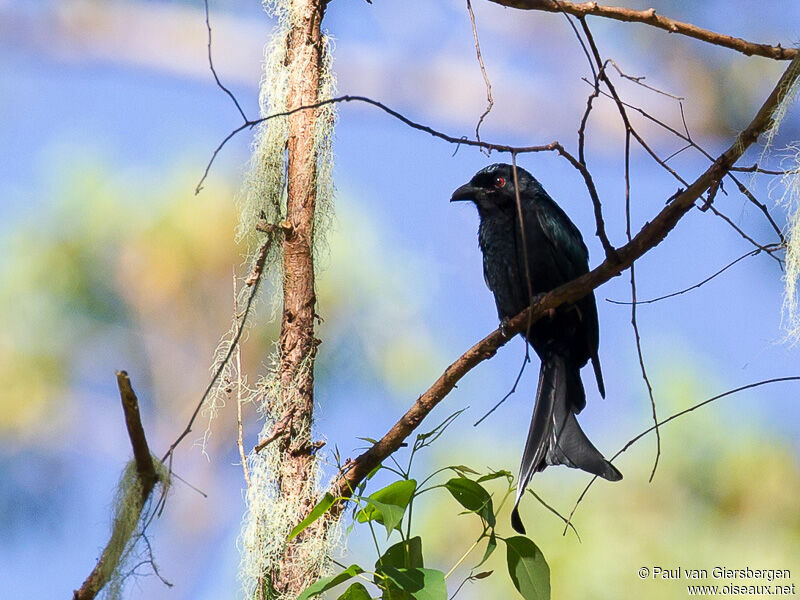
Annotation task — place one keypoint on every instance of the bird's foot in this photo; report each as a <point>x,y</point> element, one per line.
<point>504,327</point>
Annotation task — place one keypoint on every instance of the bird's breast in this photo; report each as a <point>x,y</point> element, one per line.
<point>501,266</point>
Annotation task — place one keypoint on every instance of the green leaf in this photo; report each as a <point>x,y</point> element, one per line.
<point>528,568</point>
<point>404,554</point>
<point>490,548</point>
<point>356,592</point>
<point>473,497</point>
<point>463,470</point>
<point>496,475</point>
<point>389,514</point>
<point>388,505</point>
<point>363,485</point>
<point>422,584</point>
<point>320,509</point>
<point>326,583</point>
<point>368,439</point>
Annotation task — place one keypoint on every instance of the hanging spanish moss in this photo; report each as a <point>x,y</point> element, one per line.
<point>789,199</point>
<point>126,550</point>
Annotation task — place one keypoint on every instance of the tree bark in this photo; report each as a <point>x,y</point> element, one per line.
<point>297,343</point>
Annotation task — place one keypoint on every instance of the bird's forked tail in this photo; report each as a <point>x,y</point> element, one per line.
<point>554,437</point>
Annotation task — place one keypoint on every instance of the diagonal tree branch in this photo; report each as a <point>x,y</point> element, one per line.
<point>650,235</point>
<point>650,17</point>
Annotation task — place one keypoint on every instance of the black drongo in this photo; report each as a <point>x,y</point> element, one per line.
<point>519,263</point>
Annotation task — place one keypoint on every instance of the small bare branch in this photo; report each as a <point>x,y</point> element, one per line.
<point>697,285</point>
<point>281,428</point>
<point>258,271</point>
<point>639,80</point>
<point>239,385</point>
<point>556,513</point>
<point>650,17</point>
<point>146,472</point>
<point>551,147</point>
<point>629,131</point>
<point>214,71</point>
<point>489,99</point>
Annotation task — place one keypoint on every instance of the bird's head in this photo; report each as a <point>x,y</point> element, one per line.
<point>492,188</point>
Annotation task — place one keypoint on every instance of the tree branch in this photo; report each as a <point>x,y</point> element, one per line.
<point>146,472</point>
<point>650,235</point>
<point>305,50</point>
<point>650,17</point>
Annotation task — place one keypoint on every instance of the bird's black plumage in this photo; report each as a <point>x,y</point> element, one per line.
<point>519,263</point>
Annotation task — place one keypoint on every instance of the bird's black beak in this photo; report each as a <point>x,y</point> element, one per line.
<point>465,192</point>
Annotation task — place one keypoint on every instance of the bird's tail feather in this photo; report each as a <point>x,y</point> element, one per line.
<point>554,436</point>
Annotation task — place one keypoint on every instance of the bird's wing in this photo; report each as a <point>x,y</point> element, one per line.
<point>567,250</point>
<point>570,257</point>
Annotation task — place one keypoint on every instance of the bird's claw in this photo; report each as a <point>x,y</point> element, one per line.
<point>504,327</point>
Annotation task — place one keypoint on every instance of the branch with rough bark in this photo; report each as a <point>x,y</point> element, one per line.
<point>650,17</point>
<point>297,343</point>
<point>146,472</point>
<point>647,238</point>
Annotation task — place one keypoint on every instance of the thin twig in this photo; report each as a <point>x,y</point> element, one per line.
<point>755,168</point>
<point>214,71</point>
<point>764,248</point>
<point>556,513</point>
<point>280,429</point>
<point>239,437</point>
<point>551,147</point>
<point>513,389</point>
<point>258,270</point>
<point>489,99</point>
<point>686,136</point>
<point>634,322</point>
<point>640,81</point>
<point>646,379</point>
<point>696,285</point>
<point>761,206</point>
<point>678,151</point>
<point>592,96</point>
<point>694,407</point>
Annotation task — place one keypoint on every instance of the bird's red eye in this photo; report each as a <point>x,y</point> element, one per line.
<point>499,182</point>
